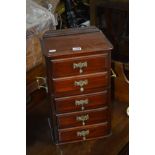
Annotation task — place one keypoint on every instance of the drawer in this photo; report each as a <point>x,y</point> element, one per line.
<point>82,102</point>
<point>83,118</point>
<point>80,65</point>
<point>80,84</point>
<point>84,133</point>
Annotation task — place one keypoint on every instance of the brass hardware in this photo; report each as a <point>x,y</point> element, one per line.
<point>81,83</point>
<point>76,48</point>
<point>52,51</point>
<point>81,102</point>
<point>83,134</point>
<point>82,118</point>
<point>81,89</point>
<point>80,65</point>
<point>113,73</point>
<point>43,79</point>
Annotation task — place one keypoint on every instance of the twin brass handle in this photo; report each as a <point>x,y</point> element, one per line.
<point>83,134</point>
<point>80,65</point>
<point>81,83</point>
<point>82,118</point>
<point>81,103</point>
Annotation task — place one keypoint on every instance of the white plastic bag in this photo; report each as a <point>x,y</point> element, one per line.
<point>38,17</point>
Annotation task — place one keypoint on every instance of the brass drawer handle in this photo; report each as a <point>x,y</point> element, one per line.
<point>81,103</point>
<point>82,118</point>
<point>44,83</point>
<point>80,65</point>
<point>81,83</point>
<point>83,134</point>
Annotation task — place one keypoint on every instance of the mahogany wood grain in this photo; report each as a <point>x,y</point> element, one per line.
<point>65,67</point>
<point>66,86</point>
<point>95,100</point>
<point>94,116</point>
<point>90,43</point>
<point>94,131</point>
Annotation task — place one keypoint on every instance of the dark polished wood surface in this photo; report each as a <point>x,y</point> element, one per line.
<point>95,63</point>
<point>101,80</point>
<point>96,100</point>
<point>91,43</point>
<point>94,117</point>
<point>95,131</point>
<point>77,65</point>
<point>39,141</point>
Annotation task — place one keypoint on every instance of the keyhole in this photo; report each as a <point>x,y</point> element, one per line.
<point>81,89</point>
<point>82,108</point>
<point>81,71</point>
<point>83,123</point>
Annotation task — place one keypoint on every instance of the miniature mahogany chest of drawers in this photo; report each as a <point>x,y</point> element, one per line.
<point>78,63</point>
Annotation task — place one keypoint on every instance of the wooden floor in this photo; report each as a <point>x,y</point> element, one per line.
<point>39,141</point>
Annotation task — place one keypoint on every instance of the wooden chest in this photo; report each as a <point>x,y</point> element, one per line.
<point>78,74</point>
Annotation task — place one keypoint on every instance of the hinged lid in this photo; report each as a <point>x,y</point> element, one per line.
<point>70,31</point>
<point>74,41</point>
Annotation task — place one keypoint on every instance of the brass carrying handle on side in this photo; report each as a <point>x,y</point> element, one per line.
<point>113,73</point>
<point>42,83</point>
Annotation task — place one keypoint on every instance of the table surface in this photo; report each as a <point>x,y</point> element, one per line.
<point>39,140</point>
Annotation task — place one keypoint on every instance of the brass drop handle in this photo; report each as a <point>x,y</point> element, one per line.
<point>81,83</point>
<point>42,80</point>
<point>83,134</point>
<point>82,118</point>
<point>80,65</point>
<point>81,103</point>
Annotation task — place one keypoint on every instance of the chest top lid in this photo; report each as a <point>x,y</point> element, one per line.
<point>74,41</point>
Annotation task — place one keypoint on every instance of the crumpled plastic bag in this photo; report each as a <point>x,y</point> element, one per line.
<point>38,18</point>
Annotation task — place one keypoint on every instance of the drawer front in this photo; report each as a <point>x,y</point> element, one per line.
<point>83,118</point>
<point>84,133</point>
<point>80,84</point>
<point>80,65</point>
<point>82,102</point>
